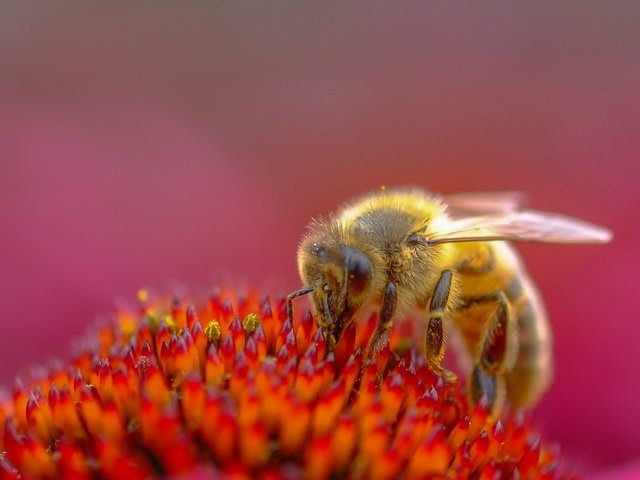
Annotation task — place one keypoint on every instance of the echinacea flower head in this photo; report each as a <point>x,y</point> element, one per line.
<point>230,387</point>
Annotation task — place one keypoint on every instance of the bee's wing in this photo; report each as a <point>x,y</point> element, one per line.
<point>483,203</point>
<point>523,225</point>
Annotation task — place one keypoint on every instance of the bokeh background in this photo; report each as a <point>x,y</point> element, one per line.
<point>164,144</point>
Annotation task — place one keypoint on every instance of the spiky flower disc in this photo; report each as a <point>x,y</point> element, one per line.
<point>232,388</point>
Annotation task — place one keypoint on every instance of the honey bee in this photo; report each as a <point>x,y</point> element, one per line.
<point>449,260</point>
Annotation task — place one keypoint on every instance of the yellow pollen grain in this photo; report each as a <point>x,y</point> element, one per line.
<point>250,323</point>
<point>213,332</point>
<point>171,323</point>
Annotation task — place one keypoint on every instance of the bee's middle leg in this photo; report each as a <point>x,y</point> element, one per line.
<point>434,335</point>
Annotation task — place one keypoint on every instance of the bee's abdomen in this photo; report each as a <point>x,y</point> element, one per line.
<point>533,369</point>
<point>485,270</point>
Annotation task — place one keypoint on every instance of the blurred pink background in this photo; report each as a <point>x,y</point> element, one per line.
<point>163,146</point>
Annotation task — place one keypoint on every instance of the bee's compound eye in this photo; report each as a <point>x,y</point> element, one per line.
<point>359,269</point>
<point>414,239</point>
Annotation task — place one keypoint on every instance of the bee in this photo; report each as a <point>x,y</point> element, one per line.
<point>450,261</point>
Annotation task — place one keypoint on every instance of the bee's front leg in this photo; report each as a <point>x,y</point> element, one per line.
<point>434,335</point>
<point>381,333</point>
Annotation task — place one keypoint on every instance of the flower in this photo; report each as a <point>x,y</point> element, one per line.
<point>233,387</point>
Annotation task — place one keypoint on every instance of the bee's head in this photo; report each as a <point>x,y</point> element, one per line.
<point>342,279</point>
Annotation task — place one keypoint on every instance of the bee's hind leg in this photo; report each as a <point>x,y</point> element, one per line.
<point>381,333</point>
<point>497,355</point>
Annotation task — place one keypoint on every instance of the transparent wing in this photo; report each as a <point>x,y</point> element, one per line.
<point>465,204</point>
<point>521,225</point>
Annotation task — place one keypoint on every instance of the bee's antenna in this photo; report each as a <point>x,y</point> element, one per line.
<point>291,296</point>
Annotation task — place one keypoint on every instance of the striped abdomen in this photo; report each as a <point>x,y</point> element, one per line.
<point>533,371</point>
<point>483,270</point>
